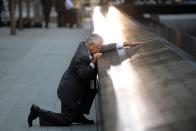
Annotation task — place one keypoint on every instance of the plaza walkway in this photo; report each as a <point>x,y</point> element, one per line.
<point>31,66</point>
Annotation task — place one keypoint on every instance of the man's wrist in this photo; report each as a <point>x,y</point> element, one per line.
<point>93,61</point>
<point>124,44</point>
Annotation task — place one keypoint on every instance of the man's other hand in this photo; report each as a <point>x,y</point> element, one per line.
<point>95,57</point>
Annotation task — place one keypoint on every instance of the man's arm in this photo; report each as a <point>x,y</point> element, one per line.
<point>109,47</point>
<point>114,46</point>
<point>84,70</point>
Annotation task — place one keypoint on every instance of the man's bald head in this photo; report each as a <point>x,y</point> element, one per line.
<point>94,39</point>
<point>94,43</point>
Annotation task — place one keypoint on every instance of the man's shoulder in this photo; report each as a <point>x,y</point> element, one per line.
<point>81,47</point>
<point>82,43</point>
<point>81,52</point>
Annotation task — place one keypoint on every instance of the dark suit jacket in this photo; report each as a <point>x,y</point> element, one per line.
<point>76,80</point>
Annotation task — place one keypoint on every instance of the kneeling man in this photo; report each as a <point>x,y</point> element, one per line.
<point>74,90</point>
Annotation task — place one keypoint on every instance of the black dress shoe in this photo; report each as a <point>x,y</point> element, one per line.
<point>83,120</point>
<point>34,113</point>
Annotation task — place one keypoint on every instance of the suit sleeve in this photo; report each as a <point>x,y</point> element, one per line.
<point>85,70</point>
<point>110,47</point>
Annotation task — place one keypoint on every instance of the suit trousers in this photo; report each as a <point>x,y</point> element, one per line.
<point>71,15</point>
<point>46,17</point>
<point>60,19</point>
<point>67,115</point>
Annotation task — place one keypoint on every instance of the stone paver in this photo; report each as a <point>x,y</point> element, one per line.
<point>31,65</point>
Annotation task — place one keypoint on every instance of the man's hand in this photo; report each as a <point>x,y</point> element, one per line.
<point>95,57</point>
<point>132,43</point>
